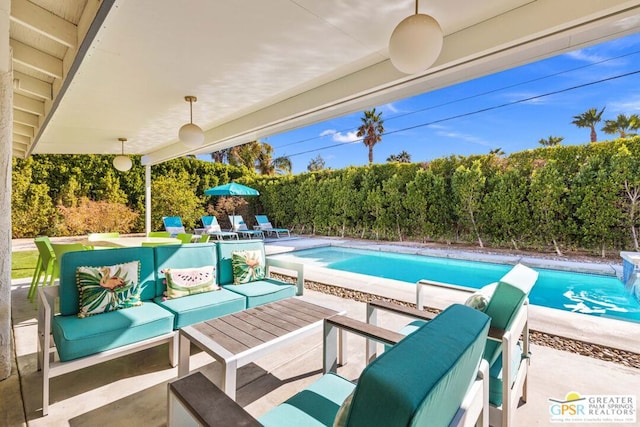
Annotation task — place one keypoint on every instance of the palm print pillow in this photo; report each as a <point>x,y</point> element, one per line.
<point>108,288</point>
<point>189,281</point>
<point>248,266</point>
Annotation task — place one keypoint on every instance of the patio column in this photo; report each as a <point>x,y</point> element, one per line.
<point>147,199</point>
<point>6,141</point>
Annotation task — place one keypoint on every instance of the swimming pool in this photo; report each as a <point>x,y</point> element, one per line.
<point>593,294</point>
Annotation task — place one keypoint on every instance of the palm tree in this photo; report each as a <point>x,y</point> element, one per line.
<point>552,141</point>
<point>316,164</point>
<point>401,157</point>
<point>371,130</point>
<point>622,125</point>
<point>221,156</point>
<point>589,119</point>
<point>497,152</point>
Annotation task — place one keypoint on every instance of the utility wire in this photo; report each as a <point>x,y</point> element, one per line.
<point>482,110</point>
<point>490,92</point>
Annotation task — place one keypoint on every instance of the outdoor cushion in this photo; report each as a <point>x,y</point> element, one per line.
<point>75,337</point>
<point>188,255</point>
<point>423,379</point>
<point>317,405</point>
<point>69,294</point>
<point>107,288</point>
<point>263,291</point>
<point>248,266</point>
<point>198,308</point>
<point>182,282</point>
<point>225,251</point>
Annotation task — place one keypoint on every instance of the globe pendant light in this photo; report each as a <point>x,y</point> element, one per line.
<point>122,163</point>
<point>190,134</point>
<point>415,43</point>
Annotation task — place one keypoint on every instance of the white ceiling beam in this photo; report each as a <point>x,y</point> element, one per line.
<point>32,85</point>
<point>19,153</point>
<point>36,59</point>
<point>25,118</point>
<point>21,139</point>
<point>28,105</point>
<point>22,129</point>
<point>43,22</point>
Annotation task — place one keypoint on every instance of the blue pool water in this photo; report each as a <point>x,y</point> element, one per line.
<point>592,294</point>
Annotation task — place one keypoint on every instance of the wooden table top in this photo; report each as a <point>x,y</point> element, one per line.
<point>245,330</point>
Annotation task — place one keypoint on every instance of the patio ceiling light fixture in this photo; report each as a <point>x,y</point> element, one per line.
<point>190,134</point>
<point>415,43</point>
<point>122,163</point>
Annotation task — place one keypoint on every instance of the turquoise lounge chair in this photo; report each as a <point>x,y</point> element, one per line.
<point>212,228</point>
<point>508,341</point>
<point>265,225</point>
<point>239,226</point>
<point>173,224</point>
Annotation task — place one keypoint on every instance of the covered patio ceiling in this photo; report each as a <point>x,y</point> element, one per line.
<point>88,72</point>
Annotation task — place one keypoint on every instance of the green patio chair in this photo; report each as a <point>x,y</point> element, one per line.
<point>44,265</point>
<point>159,234</point>
<point>185,237</point>
<point>204,238</point>
<point>60,249</point>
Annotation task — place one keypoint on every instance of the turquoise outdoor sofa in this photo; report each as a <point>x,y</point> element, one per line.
<point>81,342</point>
<point>434,377</point>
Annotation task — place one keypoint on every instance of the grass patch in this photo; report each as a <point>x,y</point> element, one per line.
<point>23,264</point>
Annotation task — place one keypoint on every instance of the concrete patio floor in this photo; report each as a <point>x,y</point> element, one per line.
<point>133,389</point>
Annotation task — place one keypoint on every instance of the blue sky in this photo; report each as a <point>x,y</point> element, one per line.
<point>427,128</point>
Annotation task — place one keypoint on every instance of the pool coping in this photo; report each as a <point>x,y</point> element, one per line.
<point>577,326</point>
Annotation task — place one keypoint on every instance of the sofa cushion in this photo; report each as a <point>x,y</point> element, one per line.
<point>70,261</point>
<point>317,405</point>
<point>423,379</point>
<point>182,282</point>
<point>225,251</point>
<point>107,288</point>
<point>263,291</point>
<point>248,266</point>
<point>75,337</point>
<point>188,255</point>
<point>198,308</point>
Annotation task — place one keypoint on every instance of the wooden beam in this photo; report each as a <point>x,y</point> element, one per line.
<point>22,129</point>
<point>26,118</point>
<point>36,59</point>
<point>16,152</point>
<point>21,102</point>
<point>43,22</point>
<point>32,85</point>
<point>21,139</point>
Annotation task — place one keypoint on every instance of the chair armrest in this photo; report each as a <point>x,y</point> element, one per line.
<point>47,297</point>
<point>289,265</point>
<point>195,398</point>
<point>398,309</point>
<point>424,282</point>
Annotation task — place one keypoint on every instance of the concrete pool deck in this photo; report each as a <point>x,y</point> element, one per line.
<point>133,389</point>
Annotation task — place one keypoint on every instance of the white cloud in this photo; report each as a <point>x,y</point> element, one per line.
<point>336,136</point>
<point>629,105</point>
<point>390,107</point>
<point>464,137</point>
<point>584,55</point>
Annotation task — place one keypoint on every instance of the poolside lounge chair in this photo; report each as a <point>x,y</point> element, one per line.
<point>173,224</point>
<point>265,225</point>
<point>239,226</point>
<point>212,228</point>
<point>508,357</point>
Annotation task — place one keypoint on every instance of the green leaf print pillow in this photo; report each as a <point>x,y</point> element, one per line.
<point>190,281</point>
<point>108,288</point>
<point>248,266</point>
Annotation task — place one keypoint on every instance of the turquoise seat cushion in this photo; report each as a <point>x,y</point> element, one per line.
<point>189,255</point>
<point>495,374</point>
<point>422,380</point>
<point>76,337</point>
<point>69,296</point>
<point>200,307</point>
<point>315,406</point>
<point>225,251</point>
<point>263,291</point>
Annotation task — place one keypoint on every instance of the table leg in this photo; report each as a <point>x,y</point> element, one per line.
<point>184,350</point>
<point>229,373</point>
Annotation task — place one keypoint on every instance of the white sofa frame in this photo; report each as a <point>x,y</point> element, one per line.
<point>51,366</point>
